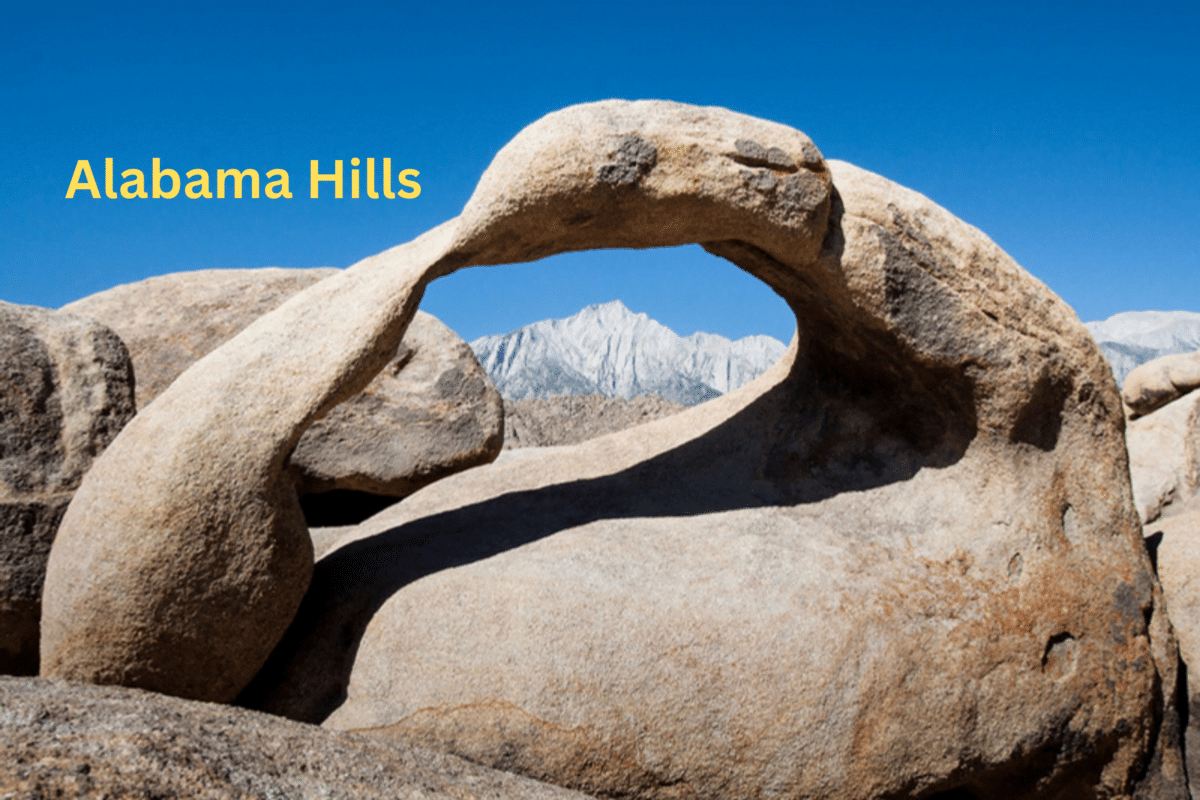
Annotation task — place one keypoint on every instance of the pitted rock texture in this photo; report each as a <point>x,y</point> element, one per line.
<point>430,412</point>
<point>570,419</point>
<point>903,562</point>
<point>1156,383</point>
<point>62,739</point>
<point>66,389</point>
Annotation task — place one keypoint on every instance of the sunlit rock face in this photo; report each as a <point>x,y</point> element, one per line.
<point>1156,383</point>
<point>430,412</point>
<point>903,561</point>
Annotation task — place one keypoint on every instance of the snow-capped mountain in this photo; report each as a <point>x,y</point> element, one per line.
<point>607,349</point>
<point>1132,338</point>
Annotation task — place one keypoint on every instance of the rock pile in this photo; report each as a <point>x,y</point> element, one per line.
<point>571,419</point>
<point>67,389</point>
<point>1156,383</point>
<point>1164,456</point>
<point>430,412</point>
<point>1164,464</point>
<point>903,563</point>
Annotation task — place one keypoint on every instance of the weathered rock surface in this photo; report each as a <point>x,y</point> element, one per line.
<point>66,389</point>
<point>429,413</point>
<point>1175,539</point>
<point>571,419</point>
<point>62,739</point>
<point>903,562</point>
<point>1164,456</point>
<point>1156,383</point>
<point>184,555</point>
<point>169,322</point>
<point>1164,464</point>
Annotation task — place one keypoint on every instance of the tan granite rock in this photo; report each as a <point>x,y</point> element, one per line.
<point>1164,465</point>
<point>63,739</point>
<point>66,389</point>
<point>430,412</point>
<point>1156,383</point>
<point>184,554</point>
<point>1175,539</point>
<point>169,322</point>
<point>1164,456</point>
<point>904,562</point>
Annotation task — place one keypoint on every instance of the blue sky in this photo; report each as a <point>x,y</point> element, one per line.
<point>1066,131</point>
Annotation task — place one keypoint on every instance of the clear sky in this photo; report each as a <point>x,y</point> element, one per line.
<point>1066,131</point>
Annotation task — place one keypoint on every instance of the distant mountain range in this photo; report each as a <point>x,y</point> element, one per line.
<point>1132,338</point>
<point>609,350</point>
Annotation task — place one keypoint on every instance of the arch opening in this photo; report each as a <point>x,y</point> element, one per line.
<point>674,323</point>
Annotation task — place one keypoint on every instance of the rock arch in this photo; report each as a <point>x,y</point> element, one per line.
<point>942,421</point>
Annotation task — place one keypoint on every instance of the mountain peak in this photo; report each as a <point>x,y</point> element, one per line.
<point>614,306</point>
<point>1131,338</point>
<point>608,349</point>
<point>614,312</point>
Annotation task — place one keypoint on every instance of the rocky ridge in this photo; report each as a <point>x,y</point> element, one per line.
<point>607,349</point>
<point>1132,338</point>
<point>571,419</point>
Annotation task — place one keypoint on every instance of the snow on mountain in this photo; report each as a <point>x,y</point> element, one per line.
<point>607,349</point>
<point>1132,338</point>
